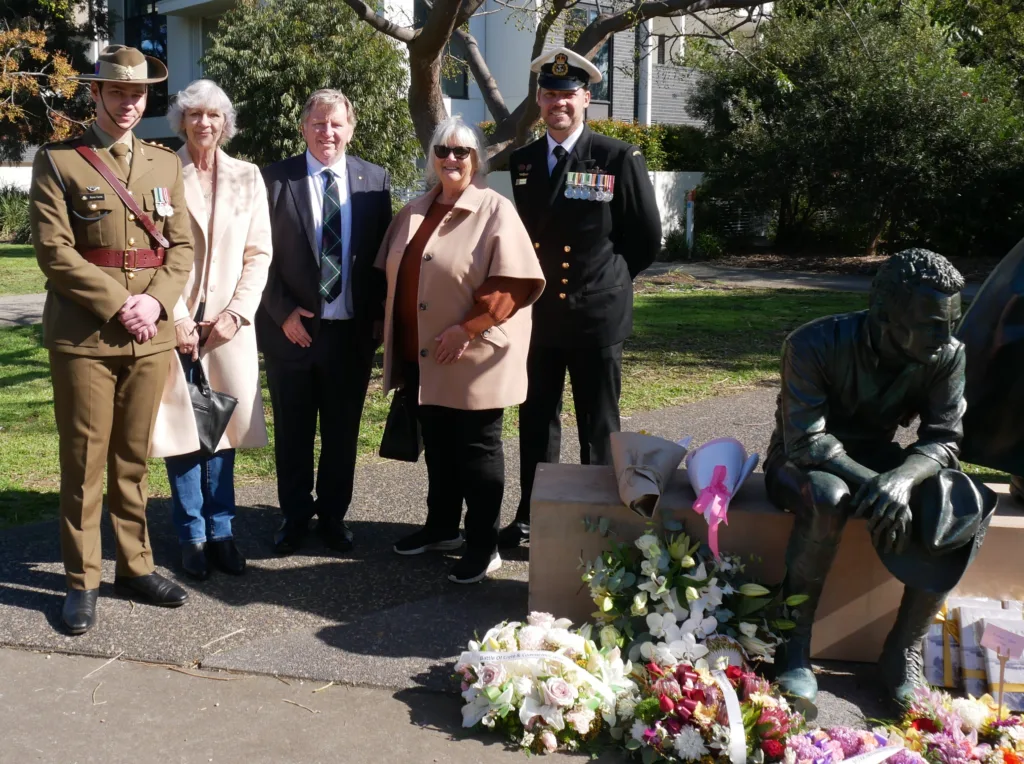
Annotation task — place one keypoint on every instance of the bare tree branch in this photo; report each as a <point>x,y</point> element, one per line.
<point>729,44</point>
<point>381,24</point>
<point>467,10</point>
<point>482,74</point>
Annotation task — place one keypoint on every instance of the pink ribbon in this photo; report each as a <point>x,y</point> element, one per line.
<point>713,503</point>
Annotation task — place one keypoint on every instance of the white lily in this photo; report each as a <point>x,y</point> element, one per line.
<point>475,710</point>
<point>755,646</point>
<point>748,629</point>
<point>551,715</point>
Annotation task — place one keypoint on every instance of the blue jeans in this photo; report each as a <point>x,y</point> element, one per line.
<point>202,495</point>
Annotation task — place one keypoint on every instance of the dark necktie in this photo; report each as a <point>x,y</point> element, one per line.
<point>120,152</point>
<point>330,242</point>
<point>560,157</point>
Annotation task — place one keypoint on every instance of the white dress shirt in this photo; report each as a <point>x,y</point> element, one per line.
<point>567,144</point>
<point>340,308</point>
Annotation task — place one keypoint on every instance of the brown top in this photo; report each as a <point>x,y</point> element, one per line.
<point>496,300</point>
<point>407,285</point>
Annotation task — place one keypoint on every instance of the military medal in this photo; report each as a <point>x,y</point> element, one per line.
<point>590,186</point>
<point>163,202</point>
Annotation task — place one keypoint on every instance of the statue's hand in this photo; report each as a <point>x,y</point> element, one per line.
<point>885,501</point>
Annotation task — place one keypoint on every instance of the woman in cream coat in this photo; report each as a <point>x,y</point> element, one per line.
<point>227,205</point>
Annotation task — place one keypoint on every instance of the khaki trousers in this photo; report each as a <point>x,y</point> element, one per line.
<point>105,410</point>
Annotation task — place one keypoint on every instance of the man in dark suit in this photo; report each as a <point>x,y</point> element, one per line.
<point>318,324</point>
<point>589,206</point>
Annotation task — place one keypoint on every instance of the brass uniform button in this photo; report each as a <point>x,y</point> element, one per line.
<point>565,281</point>
<point>565,266</point>
<point>131,274</point>
<point>131,242</point>
<point>561,295</point>
<point>536,245</point>
<point>568,248</point>
<point>131,216</point>
<point>92,205</point>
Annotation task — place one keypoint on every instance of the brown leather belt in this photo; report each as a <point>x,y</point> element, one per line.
<point>126,259</point>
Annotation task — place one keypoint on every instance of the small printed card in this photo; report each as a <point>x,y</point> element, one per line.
<point>942,642</point>
<point>1005,635</point>
<point>972,654</point>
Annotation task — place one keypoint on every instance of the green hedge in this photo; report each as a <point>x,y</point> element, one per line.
<point>665,147</point>
<point>14,227</point>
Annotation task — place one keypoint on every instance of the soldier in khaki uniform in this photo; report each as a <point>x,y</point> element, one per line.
<point>111,289</point>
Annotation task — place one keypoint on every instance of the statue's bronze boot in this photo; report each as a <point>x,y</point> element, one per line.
<point>807,565</point>
<point>901,665</point>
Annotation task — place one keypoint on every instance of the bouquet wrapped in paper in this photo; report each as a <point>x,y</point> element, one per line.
<point>717,470</point>
<point>643,465</point>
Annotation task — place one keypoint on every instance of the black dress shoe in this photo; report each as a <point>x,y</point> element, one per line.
<point>513,534</point>
<point>154,589</point>
<point>226,557</point>
<point>79,612</point>
<point>335,535</point>
<point>289,537</point>
<point>193,561</point>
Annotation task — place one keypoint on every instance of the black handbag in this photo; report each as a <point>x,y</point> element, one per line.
<point>212,410</point>
<point>402,440</point>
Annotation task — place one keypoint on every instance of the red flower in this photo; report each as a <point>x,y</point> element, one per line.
<point>667,706</point>
<point>654,670</point>
<point>924,725</point>
<point>773,749</point>
<point>1009,757</point>
<point>734,673</point>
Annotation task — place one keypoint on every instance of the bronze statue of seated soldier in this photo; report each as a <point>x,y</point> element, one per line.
<point>848,382</point>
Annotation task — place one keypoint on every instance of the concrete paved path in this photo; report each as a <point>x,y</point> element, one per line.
<point>74,709</point>
<point>770,279</point>
<point>21,309</point>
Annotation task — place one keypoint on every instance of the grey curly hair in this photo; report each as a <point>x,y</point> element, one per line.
<point>911,268</point>
<point>205,94</point>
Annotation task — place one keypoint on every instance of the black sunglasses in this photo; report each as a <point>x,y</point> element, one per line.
<point>460,152</point>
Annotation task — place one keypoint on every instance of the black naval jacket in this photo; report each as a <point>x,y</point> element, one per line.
<point>590,251</point>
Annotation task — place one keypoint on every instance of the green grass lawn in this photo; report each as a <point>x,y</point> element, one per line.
<point>690,342</point>
<point>19,272</point>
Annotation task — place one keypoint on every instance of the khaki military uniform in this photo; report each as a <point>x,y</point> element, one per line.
<point>106,386</point>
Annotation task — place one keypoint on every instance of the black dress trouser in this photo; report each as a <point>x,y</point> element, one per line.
<point>465,461</point>
<point>330,382</point>
<point>595,375</point>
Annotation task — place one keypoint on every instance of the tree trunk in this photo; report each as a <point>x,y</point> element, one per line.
<point>426,106</point>
<point>880,227</point>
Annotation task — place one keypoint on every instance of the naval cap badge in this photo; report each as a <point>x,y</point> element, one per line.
<point>561,67</point>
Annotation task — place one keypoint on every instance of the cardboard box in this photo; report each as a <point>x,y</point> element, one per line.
<point>860,599</point>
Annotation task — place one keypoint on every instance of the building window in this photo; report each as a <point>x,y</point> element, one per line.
<point>662,48</point>
<point>146,30</point>
<point>455,72</point>
<point>577,20</point>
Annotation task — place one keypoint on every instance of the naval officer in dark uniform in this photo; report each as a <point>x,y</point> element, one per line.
<point>588,204</point>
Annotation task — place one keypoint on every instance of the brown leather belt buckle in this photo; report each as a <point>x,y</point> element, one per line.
<point>130,261</point>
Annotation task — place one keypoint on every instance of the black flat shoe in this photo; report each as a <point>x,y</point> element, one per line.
<point>154,589</point>
<point>513,534</point>
<point>79,612</point>
<point>226,557</point>
<point>288,539</point>
<point>335,535</point>
<point>193,561</point>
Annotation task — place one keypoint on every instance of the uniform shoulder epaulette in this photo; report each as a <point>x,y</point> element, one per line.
<point>156,145</point>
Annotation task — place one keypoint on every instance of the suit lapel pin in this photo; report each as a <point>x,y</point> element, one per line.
<point>360,177</point>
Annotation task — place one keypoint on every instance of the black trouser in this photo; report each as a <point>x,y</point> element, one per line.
<point>596,378</point>
<point>465,461</point>
<point>330,382</point>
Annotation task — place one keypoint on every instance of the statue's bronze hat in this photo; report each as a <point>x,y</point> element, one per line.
<point>119,63</point>
<point>951,514</point>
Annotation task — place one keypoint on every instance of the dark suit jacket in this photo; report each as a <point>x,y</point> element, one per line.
<point>993,331</point>
<point>590,251</point>
<point>294,277</point>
